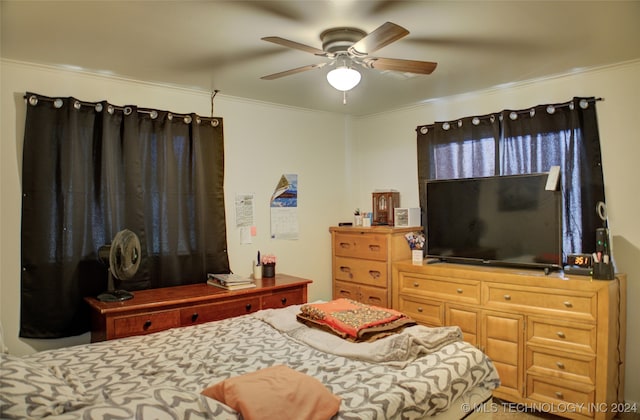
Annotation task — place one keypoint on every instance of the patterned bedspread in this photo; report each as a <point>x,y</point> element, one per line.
<point>161,375</point>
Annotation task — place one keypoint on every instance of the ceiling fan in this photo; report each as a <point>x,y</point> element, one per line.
<point>347,47</point>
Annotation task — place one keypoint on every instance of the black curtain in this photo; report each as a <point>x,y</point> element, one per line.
<point>564,135</point>
<point>525,141</point>
<point>464,148</point>
<point>92,169</point>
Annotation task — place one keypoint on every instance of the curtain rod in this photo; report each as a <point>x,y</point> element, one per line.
<point>521,111</point>
<point>33,100</point>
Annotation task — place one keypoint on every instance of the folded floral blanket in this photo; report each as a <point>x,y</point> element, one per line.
<point>354,320</point>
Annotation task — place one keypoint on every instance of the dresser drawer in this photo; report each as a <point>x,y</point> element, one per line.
<point>365,294</point>
<point>552,302</point>
<point>424,311</point>
<point>146,323</point>
<point>467,320</point>
<point>571,336</point>
<point>570,366</point>
<point>282,299</point>
<point>370,246</point>
<point>369,272</point>
<point>374,296</point>
<point>450,289</point>
<point>345,290</point>
<point>215,311</point>
<point>560,393</point>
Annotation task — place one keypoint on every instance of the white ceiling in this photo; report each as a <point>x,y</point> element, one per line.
<point>216,45</point>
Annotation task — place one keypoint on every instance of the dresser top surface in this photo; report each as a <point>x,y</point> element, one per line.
<point>375,229</point>
<point>194,293</point>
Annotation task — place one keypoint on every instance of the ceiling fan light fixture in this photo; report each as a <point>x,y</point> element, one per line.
<point>344,78</point>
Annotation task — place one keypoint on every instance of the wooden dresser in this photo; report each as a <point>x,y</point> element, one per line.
<point>558,342</point>
<point>155,310</point>
<point>362,258</point>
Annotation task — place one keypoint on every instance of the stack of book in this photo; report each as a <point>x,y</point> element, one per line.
<point>230,281</point>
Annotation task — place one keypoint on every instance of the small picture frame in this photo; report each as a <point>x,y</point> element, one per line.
<point>417,256</point>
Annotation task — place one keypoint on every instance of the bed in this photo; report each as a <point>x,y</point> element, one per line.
<point>418,372</point>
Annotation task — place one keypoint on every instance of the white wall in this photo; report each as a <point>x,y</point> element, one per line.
<point>385,156</point>
<point>262,142</point>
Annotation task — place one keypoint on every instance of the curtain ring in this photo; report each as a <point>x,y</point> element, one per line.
<point>513,115</point>
<point>424,130</point>
<point>584,104</point>
<point>169,116</point>
<point>551,109</point>
<point>198,121</point>
<point>215,123</point>
<point>127,110</point>
<point>459,123</point>
<point>187,119</point>
<point>532,112</point>
<point>33,100</point>
<point>446,126</point>
<point>98,107</point>
<point>77,105</point>
<point>58,103</point>
<point>153,114</point>
<point>110,109</point>
<point>475,121</point>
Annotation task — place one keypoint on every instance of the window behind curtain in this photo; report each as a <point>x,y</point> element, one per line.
<point>93,169</point>
<point>522,142</point>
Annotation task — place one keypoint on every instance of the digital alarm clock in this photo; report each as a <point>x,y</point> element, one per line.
<point>581,264</point>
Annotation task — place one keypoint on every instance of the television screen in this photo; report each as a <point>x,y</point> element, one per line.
<point>502,220</point>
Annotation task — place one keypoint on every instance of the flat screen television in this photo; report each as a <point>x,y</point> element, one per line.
<point>501,220</point>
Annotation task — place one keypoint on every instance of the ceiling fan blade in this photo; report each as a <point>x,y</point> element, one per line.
<point>384,35</point>
<point>292,71</point>
<point>396,64</point>
<point>281,10</point>
<point>294,45</point>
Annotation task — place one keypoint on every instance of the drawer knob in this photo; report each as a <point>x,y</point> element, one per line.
<point>374,248</point>
<point>560,365</point>
<point>559,395</point>
<point>248,307</point>
<point>560,334</point>
<point>283,300</point>
<point>459,291</point>
<point>416,284</point>
<point>374,274</point>
<point>420,309</point>
<point>147,324</point>
<point>345,245</point>
<point>568,304</point>
<point>507,297</point>
<point>194,316</point>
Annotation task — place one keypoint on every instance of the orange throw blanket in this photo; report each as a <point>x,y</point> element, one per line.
<point>351,319</point>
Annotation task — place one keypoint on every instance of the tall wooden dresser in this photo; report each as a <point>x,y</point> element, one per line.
<point>362,258</point>
<point>557,341</point>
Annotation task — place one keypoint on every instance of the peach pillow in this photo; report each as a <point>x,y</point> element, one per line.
<point>276,392</point>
